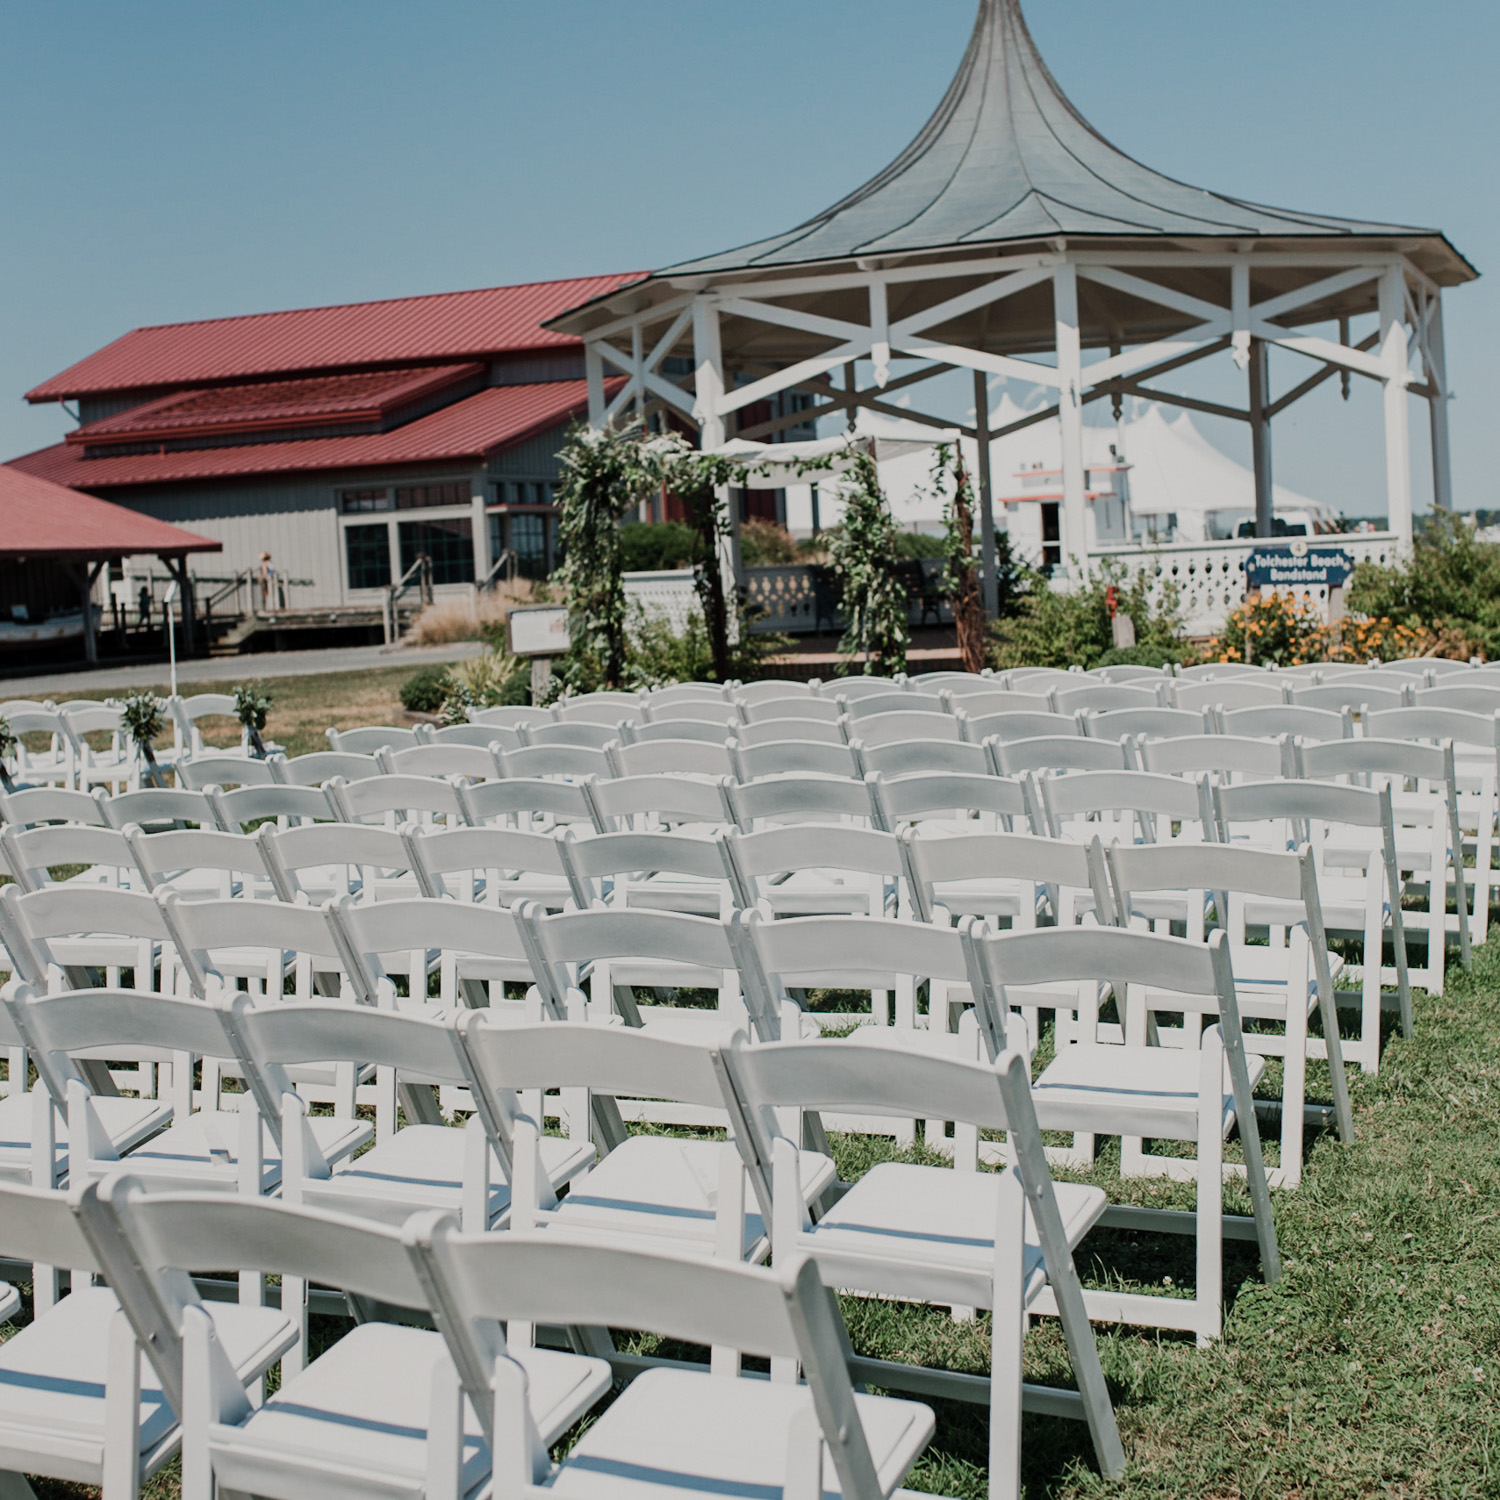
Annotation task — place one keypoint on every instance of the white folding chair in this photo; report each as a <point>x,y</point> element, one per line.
<point>52,764</point>
<point>794,757</point>
<point>583,733</point>
<point>318,861</point>
<point>1058,753</point>
<point>282,805</point>
<point>918,757</point>
<point>932,1234</point>
<point>524,802</point>
<point>388,800</point>
<point>909,724</point>
<point>1225,757</point>
<point>676,1433</point>
<point>1272,719</point>
<point>381,1412</point>
<point>764,731</point>
<point>323,765</point>
<point>947,802</point>
<point>203,771</point>
<point>674,757</point>
<point>804,870</point>
<point>644,804</point>
<point>803,798</point>
<point>201,863</point>
<point>493,866</point>
<point>1151,723</point>
<point>160,807</point>
<point>29,855</point>
<point>1134,1090</point>
<point>48,804</point>
<point>1229,693</point>
<point>767,707</point>
<point>598,708</point>
<point>369,738</point>
<point>474,762</point>
<point>117,764</point>
<point>1136,806</point>
<point>659,871</point>
<point>571,762</point>
<point>1099,696</point>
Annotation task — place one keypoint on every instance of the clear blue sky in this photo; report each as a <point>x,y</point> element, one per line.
<point>168,160</point>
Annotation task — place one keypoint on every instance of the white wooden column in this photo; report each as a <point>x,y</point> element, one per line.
<point>1394,352</point>
<point>708,365</point>
<point>1437,407</point>
<point>1070,413</point>
<point>593,369</point>
<point>478,494</point>
<point>985,495</point>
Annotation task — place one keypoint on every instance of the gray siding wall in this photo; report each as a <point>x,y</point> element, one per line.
<point>534,459</point>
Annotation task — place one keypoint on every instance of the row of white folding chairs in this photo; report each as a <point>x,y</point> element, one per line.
<point>68,759</point>
<point>1160,973</point>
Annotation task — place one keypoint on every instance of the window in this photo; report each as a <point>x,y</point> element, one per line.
<point>527,534</point>
<point>359,502</point>
<point>419,496</point>
<point>367,550</point>
<point>449,543</point>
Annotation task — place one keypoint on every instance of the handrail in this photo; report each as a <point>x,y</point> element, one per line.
<point>421,569</point>
<point>508,559</point>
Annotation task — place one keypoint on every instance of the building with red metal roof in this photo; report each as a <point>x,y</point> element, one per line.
<point>345,441</point>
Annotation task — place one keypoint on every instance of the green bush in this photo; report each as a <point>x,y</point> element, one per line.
<point>1053,629</point>
<point>654,546</point>
<point>1142,656</point>
<point>423,692</point>
<point>917,544</point>
<point>1449,591</point>
<point>764,544</point>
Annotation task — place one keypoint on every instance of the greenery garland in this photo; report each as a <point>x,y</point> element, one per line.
<point>143,719</point>
<point>863,556</point>
<point>252,703</point>
<point>9,739</point>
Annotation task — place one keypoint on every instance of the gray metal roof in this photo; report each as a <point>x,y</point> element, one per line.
<point>1006,157</point>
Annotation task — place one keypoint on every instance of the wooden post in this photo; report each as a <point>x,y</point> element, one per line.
<point>1260,437</point>
<point>593,368</point>
<point>1437,408</point>
<point>1394,353</point>
<point>1075,542</point>
<point>986,496</point>
<point>86,577</point>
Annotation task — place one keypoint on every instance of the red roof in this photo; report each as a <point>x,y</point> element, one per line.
<point>448,326</point>
<point>497,417</point>
<point>317,399</point>
<point>41,519</point>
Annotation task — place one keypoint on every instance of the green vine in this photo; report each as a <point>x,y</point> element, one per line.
<point>863,555</point>
<point>961,573</point>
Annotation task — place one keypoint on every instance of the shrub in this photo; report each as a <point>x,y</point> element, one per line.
<point>423,692</point>
<point>1271,630</point>
<point>1142,656</point>
<point>654,546</point>
<point>916,544</point>
<point>1052,629</point>
<point>1448,593</point>
<point>765,544</point>
<point>488,680</point>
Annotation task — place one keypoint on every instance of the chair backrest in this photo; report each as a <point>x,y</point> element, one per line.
<point>592,860</point>
<point>773,687</point>
<point>377,796</point>
<point>899,798</point>
<point>763,731</point>
<point>202,771</point>
<point>365,934</point>
<point>160,805</point>
<point>1289,718</point>
<point>1354,693</point>
<point>340,847</point>
<point>523,798</point>
<point>1100,696</point>
<point>150,1244</point>
<point>28,854</point>
<point>438,852</point>
<point>39,1226</point>
<point>480,736</point>
<point>204,706</point>
<point>939,681</point>
<point>671,757</point>
<point>912,724</point>
<point>159,856</point>
<point>658,800</point>
<point>757,709</point>
<point>599,708</point>
<point>324,765</point>
<point>83,718</point>
<point>981,702</point>
<point>1074,800</point>
<point>1044,679</point>
<point>1229,692</point>
<point>449,759</point>
<point>797,798</point>
<point>1126,672</point>
<point>45,804</point>
<point>1228,868</point>
<point>481,1281</point>
<point>1220,754</point>
<point>1150,723</point>
<point>1469,697</point>
<point>235,809</point>
<point>866,705</point>
<point>695,710</point>
<point>1220,670</point>
<point>949,860</point>
<point>1400,759</point>
<point>369,738</point>
<point>203,932</point>
<point>688,692</point>
<point>571,761</point>
<point>590,734</point>
<point>507,718</point>
<point>853,688</point>
<point>1297,802</point>
<point>1011,725</point>
<point>712,731</point>
<point>1438,665</point>
<point>1056,753</point>
<point>754,858</point>
<point>794,756</point>
<point>914,757</point>
<point>1462,726</point>
<point>31,921</point>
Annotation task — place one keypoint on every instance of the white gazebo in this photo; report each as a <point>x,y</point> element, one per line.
<point>1010,238</point>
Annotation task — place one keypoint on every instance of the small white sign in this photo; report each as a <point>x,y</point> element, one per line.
<point>539,630</point>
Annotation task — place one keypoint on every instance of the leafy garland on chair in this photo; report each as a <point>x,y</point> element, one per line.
<point>863,556</point>
<point>9,740</point>
<point>252,703</point>
<point>142,716</point>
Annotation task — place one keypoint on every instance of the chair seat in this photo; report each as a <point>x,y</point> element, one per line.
<point>667,1188</point>
<point>928,1233</point>
<point>202,1153</point>
<point>422,1166</point>
<point>359,1414</point>
<point>674,1433</point>
<point>52,1377</point>
<point>127,1122</point>
<point>1118,1090</point>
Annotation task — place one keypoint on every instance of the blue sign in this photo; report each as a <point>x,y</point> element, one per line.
<point>1270,566</point>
